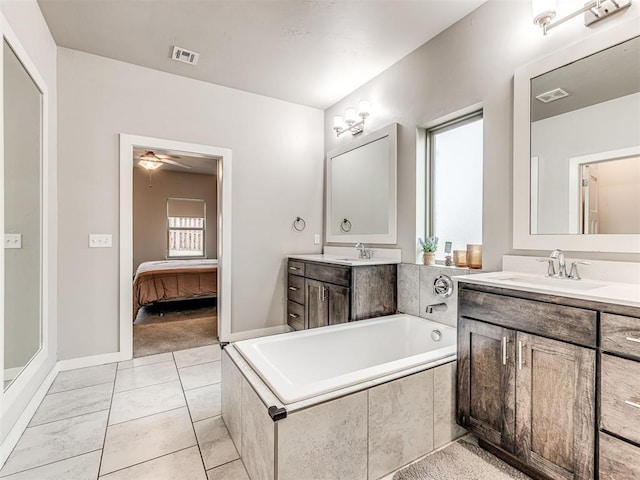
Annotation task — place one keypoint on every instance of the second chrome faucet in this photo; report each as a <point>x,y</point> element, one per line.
<point>558,255</point>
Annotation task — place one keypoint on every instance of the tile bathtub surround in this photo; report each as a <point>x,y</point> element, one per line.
<point>415,291</point>
<point>360,435</point>
<point>144,429</point>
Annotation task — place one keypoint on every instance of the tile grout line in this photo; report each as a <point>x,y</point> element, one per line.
<point>106,428</point>
<point>67,418</point>
<point>145,386</point>
<point>49,392</point>
<point>49,463</point>
<point>147,416</point>
<point>145,461</point>
<point>193,427</point>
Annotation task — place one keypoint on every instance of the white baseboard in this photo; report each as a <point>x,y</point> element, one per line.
<point>21,424</point>
<point>91,361</point>
<point>259,332</point>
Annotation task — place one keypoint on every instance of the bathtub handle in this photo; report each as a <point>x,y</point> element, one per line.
<point>504,350</point>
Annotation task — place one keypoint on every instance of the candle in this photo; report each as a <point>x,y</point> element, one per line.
<point>460,258</point>
<point>474,256</point>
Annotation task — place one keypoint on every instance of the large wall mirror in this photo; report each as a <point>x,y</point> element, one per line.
<point>23,153</point>
<point>577,143</point>
<point>361,190</point>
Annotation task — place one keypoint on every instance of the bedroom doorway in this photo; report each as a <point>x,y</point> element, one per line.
<point>173,255</point>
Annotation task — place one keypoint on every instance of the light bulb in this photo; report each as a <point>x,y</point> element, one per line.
<point>364,108</point>
<point>338,122</point>
<point>350,115</point>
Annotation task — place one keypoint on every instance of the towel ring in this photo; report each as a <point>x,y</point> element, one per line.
<point>299,224</point>
<point>345,226</point>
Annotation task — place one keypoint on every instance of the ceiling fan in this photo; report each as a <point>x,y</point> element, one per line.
<point>151,161</point>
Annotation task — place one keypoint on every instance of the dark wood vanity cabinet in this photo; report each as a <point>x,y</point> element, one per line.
<point>321,294</point>
<point>527,381</point>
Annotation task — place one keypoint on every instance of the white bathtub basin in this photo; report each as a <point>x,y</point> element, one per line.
<point>301,365</point>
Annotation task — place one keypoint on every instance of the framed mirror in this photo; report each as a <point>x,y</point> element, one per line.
<point>577,146</point>
<point>23,221</point>
<point>361,200</point>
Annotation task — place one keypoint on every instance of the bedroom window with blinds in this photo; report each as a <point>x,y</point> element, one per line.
<point>186,227</point>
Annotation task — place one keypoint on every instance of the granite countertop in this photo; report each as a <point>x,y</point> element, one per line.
<point>585,289</point>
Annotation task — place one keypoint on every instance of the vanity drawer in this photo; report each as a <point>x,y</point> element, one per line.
<point>295,268</point>
<point>618,459</point>
<point>295,315</point>
<point>570,324</point>
<point>620,334</point>
<point>295,289</point>
<point>325,273</point>
<point>620,397</point>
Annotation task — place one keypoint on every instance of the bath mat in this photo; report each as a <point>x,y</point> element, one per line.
<point>460,461</point>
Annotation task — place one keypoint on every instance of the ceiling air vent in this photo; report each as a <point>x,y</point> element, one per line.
<point>183,55</point>
<point>551,95</point>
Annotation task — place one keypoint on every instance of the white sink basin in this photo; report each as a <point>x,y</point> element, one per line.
<point>563,283</point>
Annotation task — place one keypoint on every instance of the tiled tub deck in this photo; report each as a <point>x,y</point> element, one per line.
<point>361,432</point>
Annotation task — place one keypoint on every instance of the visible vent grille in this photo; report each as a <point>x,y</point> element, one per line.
<point>552,95</point>
<point>180,54</point>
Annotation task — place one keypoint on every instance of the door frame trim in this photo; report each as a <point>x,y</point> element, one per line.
<point>223,178</point>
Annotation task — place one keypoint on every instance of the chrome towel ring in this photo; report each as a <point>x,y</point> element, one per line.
<point>299,224</point>
<point>345,226</point>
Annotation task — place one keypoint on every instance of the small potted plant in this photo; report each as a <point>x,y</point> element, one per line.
<point>429,246</point>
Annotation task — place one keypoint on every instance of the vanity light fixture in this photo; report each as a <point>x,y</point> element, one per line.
<point>348,123</point>
<point>544,12</point>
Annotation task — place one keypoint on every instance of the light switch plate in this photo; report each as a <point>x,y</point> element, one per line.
<point>316,239</point>
<point>100,240</point>
<point>12,240</point>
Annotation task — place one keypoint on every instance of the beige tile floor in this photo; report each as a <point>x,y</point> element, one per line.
<point>155,417</point>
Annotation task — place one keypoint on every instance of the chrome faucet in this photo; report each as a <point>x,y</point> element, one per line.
<point>363,252</point>
<point>437,307</point>
<point>562,267</point>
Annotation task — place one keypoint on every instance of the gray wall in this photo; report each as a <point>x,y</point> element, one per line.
<point>277,175</point>
<point>150,210</point>
<point>470,63</point>
<point>28,24</point>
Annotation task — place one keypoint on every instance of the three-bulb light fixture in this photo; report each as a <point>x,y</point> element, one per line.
<point>350,123</point>
<point>544,12</point>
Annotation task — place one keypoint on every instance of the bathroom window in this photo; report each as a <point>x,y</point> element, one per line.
<point>186,228</point>
<point>454,182</point>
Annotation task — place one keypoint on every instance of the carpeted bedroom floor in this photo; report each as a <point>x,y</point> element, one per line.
<point>172,326</point>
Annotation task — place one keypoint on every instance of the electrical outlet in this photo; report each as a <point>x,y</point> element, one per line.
<point>100,240</point>
<point>316,239</point>
<point>12,240</point>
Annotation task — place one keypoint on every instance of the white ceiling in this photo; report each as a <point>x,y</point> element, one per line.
<point>312,52</point>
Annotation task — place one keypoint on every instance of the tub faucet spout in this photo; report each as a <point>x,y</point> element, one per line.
<point>437,307</point>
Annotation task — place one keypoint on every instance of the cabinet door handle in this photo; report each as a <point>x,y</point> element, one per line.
<point>324,293</point>
<point>293,268</point>
<point>294,315</point>
<point>633,339</point>
<point>632,403</point>
<point>504,350</point>
<point>520,361</point>
<point>293,289</point>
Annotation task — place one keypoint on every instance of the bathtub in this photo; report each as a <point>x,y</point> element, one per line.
<point>329,402</point>
<point>301,365</point>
